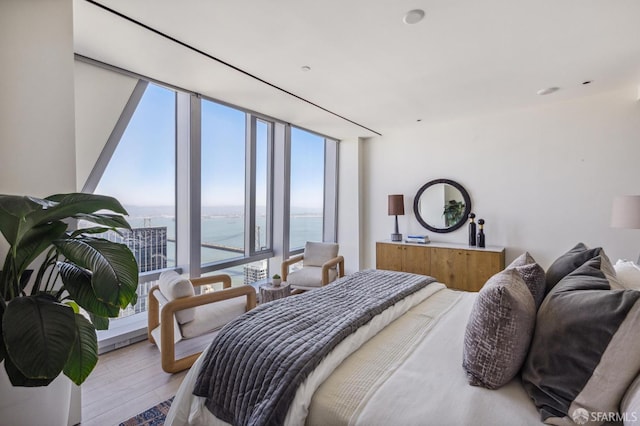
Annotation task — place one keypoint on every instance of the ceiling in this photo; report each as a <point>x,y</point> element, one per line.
<point>370,72</point>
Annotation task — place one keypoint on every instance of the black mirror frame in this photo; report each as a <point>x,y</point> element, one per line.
<point>465,196</point>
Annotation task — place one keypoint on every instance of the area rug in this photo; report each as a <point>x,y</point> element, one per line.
<point>154,416</point>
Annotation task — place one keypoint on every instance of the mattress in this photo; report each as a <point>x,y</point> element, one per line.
<point>404,368</point>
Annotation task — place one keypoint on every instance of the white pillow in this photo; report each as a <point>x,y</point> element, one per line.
<point>628,274</point>
<point>173,286</point>
<point>316,254</point>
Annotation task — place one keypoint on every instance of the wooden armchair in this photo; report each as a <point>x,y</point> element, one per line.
<point>190,317</point>
<point>321,265</point>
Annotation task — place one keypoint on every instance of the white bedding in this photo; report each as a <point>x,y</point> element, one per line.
<point>427,386</point>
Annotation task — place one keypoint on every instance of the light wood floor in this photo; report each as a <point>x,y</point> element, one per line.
<point>126,382</point>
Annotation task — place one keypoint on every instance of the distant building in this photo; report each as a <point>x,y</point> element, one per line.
<point>149,247</point>
<point>253,272</point>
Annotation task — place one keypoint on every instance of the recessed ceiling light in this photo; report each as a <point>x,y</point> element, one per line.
<point>306,68</point>
<point>413,16</point>
<point>547,91</point>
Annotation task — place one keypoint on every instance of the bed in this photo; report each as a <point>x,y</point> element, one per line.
<point>403,366</point>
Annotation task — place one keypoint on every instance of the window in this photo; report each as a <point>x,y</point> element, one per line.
<point>306,188</point>
<point>236,185</point>
<point>223,183</point>
<point>141,175</point>
<point>202,181</point>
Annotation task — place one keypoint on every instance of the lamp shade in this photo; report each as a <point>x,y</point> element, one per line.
<point>626,212</point>
<point>396,204</point>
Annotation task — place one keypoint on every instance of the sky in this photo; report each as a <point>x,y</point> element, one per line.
<point>142,169</point>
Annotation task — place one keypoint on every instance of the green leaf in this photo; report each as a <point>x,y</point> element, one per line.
<point>39,334</point>
<point>114,221</point>
<point>114,270</point>
<point>36,241</point>
<point>77,203</point>
<point>100,323</point>
<point>3,350</point>
<point>73,305</point>
<point>18,215</point>
<point>61,206</point>
<point>13,212</point>
<point>84,354</point>
<point>18,379</point>
<point>77,282</point>
<point>89,231</point>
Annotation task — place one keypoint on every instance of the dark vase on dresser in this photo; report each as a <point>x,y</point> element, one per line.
<point>472,230</point>
<point>481,241</point>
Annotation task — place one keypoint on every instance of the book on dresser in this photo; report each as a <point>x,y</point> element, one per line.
<point>458,266</point>
<point>418,239</point>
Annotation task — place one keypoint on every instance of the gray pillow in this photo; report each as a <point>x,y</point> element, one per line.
<point>532,274</point>
<point>568,263</point>
<point>499,330</point>
<point>583,355</point>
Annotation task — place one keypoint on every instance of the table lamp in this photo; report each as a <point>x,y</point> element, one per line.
<point>626,212</point>
<point>396,207</point>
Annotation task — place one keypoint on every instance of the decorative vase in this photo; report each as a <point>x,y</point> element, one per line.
<point>276,282</point>
<point>46,405</point>
<point>481,242</point>
<point>472,230</point>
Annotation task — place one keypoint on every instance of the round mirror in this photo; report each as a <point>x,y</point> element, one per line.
<point>442,205</point>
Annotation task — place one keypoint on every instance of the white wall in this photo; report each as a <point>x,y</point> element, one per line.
<point>37,141</point>
<point>37,137</point>
<point>100,98</point>
<point>542,178</point>
<point>350,198</point>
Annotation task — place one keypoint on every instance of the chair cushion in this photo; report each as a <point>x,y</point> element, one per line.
<point>499,330</point>
<point>317,254</point>
<point>173,286</point>
<point>213,316</point>
<point>309,276</point>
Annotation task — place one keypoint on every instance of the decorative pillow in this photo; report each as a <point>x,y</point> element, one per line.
<point>583,353</point>
<point>173,286</point>
<point>630,405</point>
<point>316,254</point>
<point>609,272</point>
<point>568,263</point>
<point>499,330</point>
<point>628,274</point>
<point>532,274</point>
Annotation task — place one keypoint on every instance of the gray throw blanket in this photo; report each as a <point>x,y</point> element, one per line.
<point>256,363</point>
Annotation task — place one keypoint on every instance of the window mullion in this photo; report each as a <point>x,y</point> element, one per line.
<point>250,187</point>
<point>330,209</point>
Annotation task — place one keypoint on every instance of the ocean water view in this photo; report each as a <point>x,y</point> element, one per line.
<point>222,230</point>
<point>222,239</point>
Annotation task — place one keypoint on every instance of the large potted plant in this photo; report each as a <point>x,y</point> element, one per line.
<point>79,280</point>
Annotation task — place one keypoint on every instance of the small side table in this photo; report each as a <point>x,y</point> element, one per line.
<point>268,292</point>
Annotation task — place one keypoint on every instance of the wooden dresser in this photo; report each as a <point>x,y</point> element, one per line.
<point>456,265</point>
